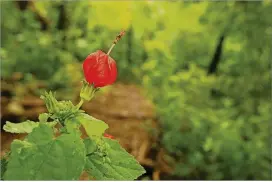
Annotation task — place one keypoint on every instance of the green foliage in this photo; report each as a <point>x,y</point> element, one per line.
<point>24,127</point>
<point>44,52</point>
<point>211,124</point>
<point>44,117</point>
<point>93,126</point>
<point>60,110</point>
<point>42,155</point>
<point>210,138</point>
<point>215,127</point>
<point>3,164</point>
<point>117,164</point>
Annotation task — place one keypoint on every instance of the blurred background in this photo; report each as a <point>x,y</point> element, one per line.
<point>193,95</point>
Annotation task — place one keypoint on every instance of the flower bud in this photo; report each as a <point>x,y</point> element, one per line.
<point>87,91</point>
<point>50,102</point>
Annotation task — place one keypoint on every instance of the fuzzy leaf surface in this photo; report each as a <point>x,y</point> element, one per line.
<point>119,165</point>
<point>42,157</point>
<point>24,127</point>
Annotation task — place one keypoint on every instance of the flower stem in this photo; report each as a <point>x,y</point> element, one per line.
<point>112,46</point>
<point>118,37</point>
<point>80,103</point>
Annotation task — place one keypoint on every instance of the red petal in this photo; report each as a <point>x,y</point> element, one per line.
<point>100,69</point>
<point>108,136</point>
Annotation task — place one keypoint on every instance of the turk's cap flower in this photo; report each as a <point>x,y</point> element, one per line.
<point>99,69</point>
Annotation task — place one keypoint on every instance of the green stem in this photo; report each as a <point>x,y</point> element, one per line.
<point>80,103</point>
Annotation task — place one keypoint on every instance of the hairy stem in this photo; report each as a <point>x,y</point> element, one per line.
<point>80,103</point>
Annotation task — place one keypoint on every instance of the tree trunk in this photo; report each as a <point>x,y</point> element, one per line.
<point>62,21</point>
<point>217,56</point>
<point>215,62</point>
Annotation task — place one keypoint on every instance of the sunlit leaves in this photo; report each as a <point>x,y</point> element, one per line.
<point>113,15</point>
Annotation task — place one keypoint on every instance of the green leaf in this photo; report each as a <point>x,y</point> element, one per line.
<point>70,126</point>
<point>92,126</point>
<point>90,146</point>
<point>43,157</point>
<point>120,165</point>
<point>40,135</point>
<point>43,117</point>
<point>4,163</point>
<point>24,127</point>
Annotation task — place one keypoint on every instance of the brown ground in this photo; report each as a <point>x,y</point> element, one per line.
<point>122,107</point>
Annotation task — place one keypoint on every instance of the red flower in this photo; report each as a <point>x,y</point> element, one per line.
<point>108,136</point>
<point>99,69</point>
